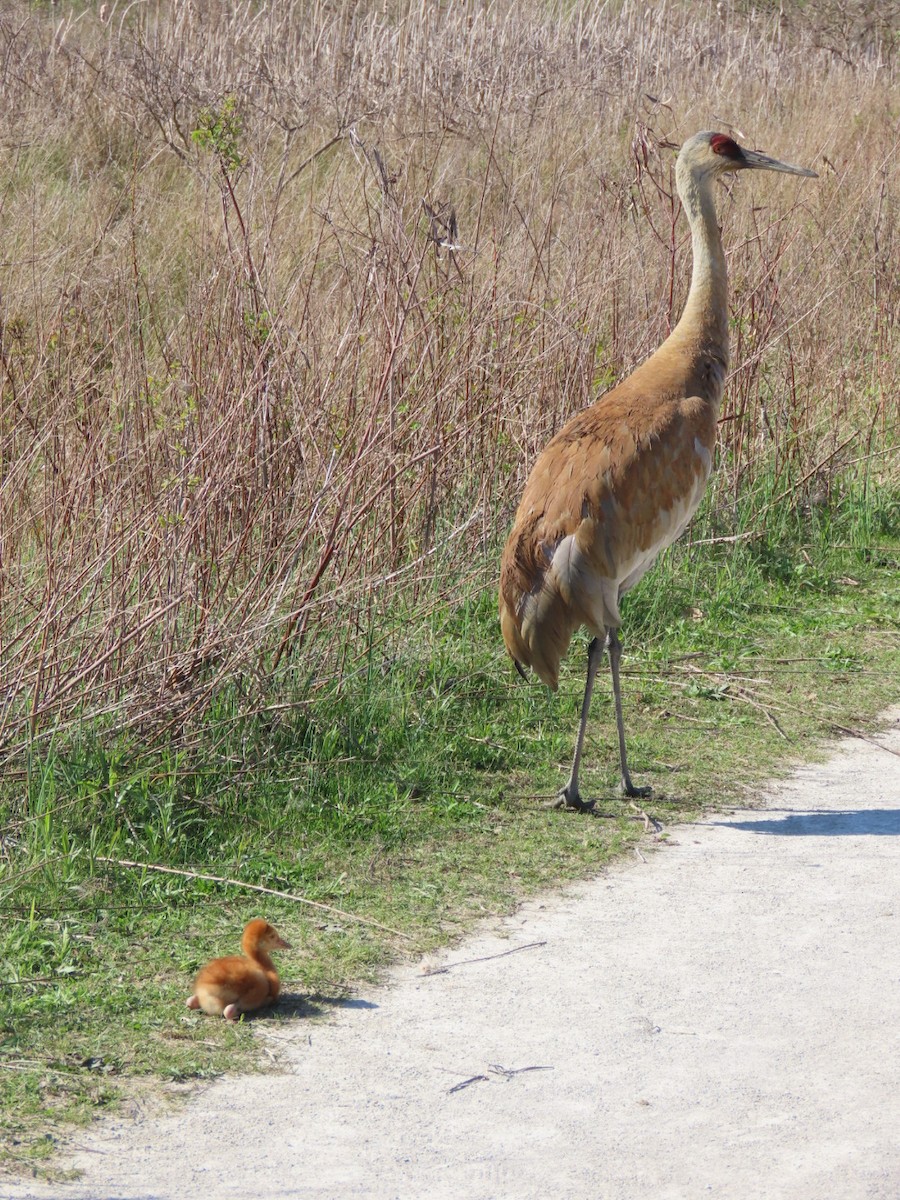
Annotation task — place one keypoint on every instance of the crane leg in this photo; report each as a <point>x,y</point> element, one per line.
<point>570,797</point>
<point>615,656</point>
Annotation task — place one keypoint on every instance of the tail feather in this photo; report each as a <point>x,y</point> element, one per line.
<point>539,633</point>
<point>542,605</point>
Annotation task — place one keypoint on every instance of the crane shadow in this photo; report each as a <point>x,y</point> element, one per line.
<point>876,822</point>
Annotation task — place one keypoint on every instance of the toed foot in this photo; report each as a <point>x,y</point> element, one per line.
<point>572,800</point>
<point>635,793</point>
<point>231,1012</point>
<point>192,1002</point>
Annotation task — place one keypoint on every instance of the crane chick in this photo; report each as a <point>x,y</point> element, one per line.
<point>240,983</point>
<point>623,478</point>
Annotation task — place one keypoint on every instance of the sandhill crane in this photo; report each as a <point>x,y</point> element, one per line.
<point>622,479</point>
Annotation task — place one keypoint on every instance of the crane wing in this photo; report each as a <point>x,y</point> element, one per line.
<point>614,487</point>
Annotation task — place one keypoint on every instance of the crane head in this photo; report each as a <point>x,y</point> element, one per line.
<point>715,153</point>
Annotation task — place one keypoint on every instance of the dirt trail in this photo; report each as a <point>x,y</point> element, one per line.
<point>721,1019</point>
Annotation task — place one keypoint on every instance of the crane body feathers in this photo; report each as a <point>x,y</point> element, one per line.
<point>615,486</point>
<point>621,480</point>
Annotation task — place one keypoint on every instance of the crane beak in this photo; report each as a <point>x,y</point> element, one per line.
<point>762,162</point>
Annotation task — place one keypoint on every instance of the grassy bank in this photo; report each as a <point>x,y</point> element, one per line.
<point>262,436</point>
<point>409,800</point>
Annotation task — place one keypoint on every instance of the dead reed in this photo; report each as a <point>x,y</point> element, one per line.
<point>246,393</point>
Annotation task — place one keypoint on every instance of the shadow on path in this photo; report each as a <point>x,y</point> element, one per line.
<point>297,1004</point>
<point>881,822</point>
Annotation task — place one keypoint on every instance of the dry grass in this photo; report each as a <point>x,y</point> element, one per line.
<point>245,393</point>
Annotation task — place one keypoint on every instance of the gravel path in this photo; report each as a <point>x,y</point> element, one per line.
<point>720,1019</point>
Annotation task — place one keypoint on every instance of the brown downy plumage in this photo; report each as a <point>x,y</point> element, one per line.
<point>240,983</point>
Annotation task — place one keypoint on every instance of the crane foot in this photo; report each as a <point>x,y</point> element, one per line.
<point>565,799</point>
<point>635,793</point>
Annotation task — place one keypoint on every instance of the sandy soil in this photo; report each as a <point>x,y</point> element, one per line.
<point>720,1019</point>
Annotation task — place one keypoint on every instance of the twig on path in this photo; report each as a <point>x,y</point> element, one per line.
<point>509,1072</point>
<point>464,962</point>
<point>252,887</point>
<point>858,733</point>
<point>495,1069</point>
<point>458,1087</point>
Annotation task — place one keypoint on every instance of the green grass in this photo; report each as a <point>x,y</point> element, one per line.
<point>409,793</point>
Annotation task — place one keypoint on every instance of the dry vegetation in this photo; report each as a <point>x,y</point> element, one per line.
<point>246,395</point>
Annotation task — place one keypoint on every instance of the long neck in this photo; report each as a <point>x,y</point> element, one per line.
<point>252,949</point>
<point>260,957</point>
<point>704,323</point>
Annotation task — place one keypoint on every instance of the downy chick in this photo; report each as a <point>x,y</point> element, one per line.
<point>230,986</point>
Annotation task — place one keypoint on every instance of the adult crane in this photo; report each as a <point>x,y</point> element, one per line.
<point>622,479</point>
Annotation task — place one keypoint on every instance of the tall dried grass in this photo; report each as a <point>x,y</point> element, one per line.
<point>246,393</point>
